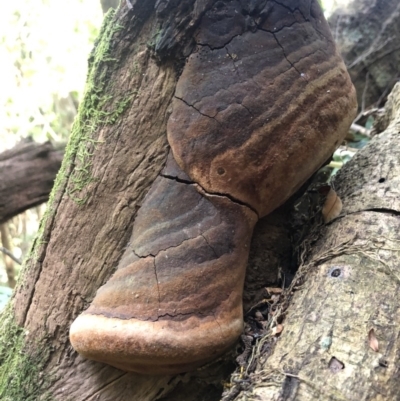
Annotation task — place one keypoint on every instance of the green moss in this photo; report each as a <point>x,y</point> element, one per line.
<point>96,109</point>
<point>20,371</point>
<point>92,112</point>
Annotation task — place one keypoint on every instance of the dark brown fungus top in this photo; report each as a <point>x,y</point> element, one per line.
<point>260,106</point>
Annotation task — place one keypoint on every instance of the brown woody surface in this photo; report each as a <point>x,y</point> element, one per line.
<point>27,174</point>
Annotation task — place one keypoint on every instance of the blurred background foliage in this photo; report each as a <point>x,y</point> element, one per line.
<point>330,5</point>
<point>44,49</point>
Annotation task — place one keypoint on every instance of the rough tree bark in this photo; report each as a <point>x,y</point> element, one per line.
<point>367,33</point>
<point>108,169</point>
<point>27,174</point>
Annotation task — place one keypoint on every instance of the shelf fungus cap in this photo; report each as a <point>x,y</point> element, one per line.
<point>160,347</point>
<point>175,301</point>
<point>257,117</point>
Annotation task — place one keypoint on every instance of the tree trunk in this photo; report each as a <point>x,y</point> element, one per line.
<point>27,174</point>
<point>340,333</point>
<point>367,33</point>
<point>109,167</point>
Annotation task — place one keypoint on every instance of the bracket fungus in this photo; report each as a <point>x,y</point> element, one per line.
<point>262,102</point>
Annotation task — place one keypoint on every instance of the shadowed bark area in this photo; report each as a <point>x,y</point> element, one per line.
<point>27,174</point>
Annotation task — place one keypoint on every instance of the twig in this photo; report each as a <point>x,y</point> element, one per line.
<point>361,130</point>
<point>9,254</point>
<point>335,165</point>
<point>370,51</point>
<point>361,113</point>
